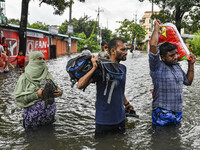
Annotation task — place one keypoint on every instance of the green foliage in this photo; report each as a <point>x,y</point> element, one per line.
<point>164,16</point>
<point>87,27</point>
<point>192,21</point>
<point>59,5</point>
<point>83,24</point>
<point>82,42</point>
<point>195,44</point>
<point>129,30</point>
<point>39,25</point>
<point>178,8</point>
<point>106,35</point>
<point>90,42</point>
<point>13,21</point>
<point>144,47</point>
<point>63,28</point>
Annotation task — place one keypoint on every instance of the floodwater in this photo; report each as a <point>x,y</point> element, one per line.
<point>74,126</point>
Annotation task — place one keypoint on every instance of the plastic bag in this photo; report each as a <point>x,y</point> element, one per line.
<point>169,33</point>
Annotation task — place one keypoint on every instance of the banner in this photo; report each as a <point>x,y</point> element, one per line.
<point>33,44</point>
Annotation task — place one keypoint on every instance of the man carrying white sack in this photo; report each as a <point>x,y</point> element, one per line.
<point>168,79</point>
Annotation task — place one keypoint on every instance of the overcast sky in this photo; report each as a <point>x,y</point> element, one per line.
<point>113,11</point>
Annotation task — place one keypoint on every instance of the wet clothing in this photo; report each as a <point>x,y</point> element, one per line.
<point>3,59</point>
<point>105,129</point>
<point>26,91</point>
<point>20,61</point>
<point>30,81</point>
<point>86,52</point>
<point>165,117</point>
<point>113,113</point>
<point>35,112</point>
<point>39,115</point>
<point>168,84</point>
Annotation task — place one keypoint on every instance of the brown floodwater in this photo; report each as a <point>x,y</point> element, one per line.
<point>74,126</point>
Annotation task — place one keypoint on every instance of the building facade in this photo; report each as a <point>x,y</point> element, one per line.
<point>146,23</point>
<point>51,45</point>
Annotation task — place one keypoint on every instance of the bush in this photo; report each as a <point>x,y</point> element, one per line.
<point>144,47</point>
<point>91,42</point>
<point>195,44</point>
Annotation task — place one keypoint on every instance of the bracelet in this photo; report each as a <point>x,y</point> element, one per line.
<point>126,104</point>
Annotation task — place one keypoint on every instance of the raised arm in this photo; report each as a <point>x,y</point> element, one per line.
<point>190,72</point>
<point>87,78</point>
<point>154,37</point>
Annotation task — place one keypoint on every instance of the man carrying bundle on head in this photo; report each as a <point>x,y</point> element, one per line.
<point>168,79</point>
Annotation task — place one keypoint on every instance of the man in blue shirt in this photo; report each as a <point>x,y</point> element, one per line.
<point>109,118</point>
<point>168,79</point>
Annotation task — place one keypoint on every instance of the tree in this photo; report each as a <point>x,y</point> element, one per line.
<point>89,28</point>
<point>131,30</point>
<point>106,35</point>
<point>83,24</point>
<point>195,44</point>
<point>192,21</point>
<point>178,8</point>
<point>81,43</point>
<point>38,25</point>
<point>59,7</point>
<point>13,21</point>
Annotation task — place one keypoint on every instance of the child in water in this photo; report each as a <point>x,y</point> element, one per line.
<point>20,60</point>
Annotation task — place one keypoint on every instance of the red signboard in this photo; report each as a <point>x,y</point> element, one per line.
<point>33,44</point>
<point>38,44</point>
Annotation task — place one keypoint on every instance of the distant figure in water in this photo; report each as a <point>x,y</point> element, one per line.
<point>20,60</point>
<point>29,93</point>
<point>103,53</point>
<point>3,61</point>
<point>86,51</point>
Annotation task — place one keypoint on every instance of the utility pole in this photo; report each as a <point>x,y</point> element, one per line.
<point>135,37</point>
<point>107,23</point>
<point>23,26</point>
<point>98,32</point>
<point>69,29</point>
<point>136,17</point>
<point>152,19</point>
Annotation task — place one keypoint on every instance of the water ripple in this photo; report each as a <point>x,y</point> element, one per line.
<point>75,125</point>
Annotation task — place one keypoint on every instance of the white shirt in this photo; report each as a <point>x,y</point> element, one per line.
<point>86,52</point>
<point>103,53</point>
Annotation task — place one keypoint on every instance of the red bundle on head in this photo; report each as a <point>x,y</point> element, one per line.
<point>169,33</point>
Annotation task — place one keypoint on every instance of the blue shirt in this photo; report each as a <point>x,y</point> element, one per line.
<point>113,113</point>
<point>168,84</point>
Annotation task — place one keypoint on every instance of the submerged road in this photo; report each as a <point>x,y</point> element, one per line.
<point>74,126</point>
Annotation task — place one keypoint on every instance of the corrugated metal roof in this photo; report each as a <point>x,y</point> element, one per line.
<point>45,32</point>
